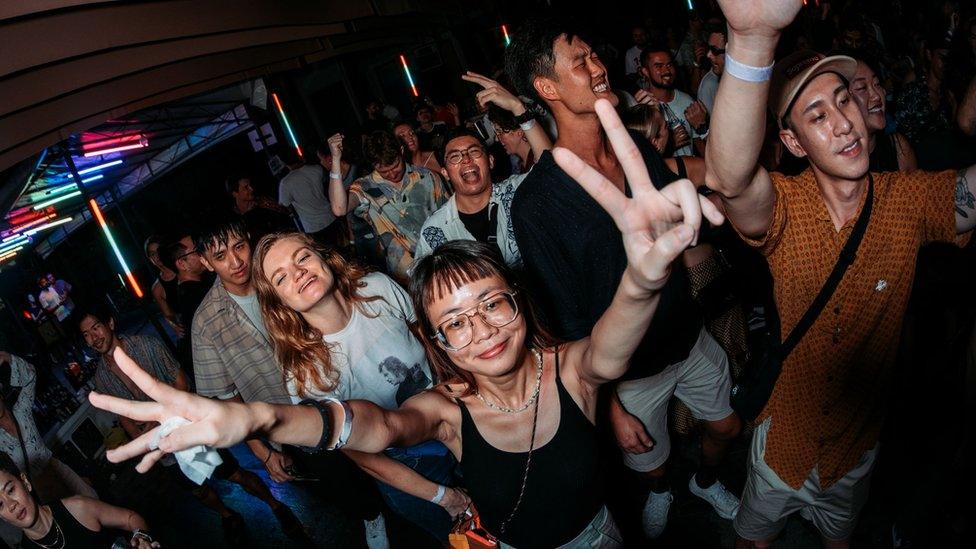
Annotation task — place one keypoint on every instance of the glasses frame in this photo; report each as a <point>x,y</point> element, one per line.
<point>465,153</point>
<point>470,313</point>
<point>716,51</point>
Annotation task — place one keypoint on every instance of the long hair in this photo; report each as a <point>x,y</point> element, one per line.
<point>298,346</point>
<point>451,266</point>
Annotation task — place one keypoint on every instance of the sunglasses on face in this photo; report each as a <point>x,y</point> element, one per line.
<point>716,51</point>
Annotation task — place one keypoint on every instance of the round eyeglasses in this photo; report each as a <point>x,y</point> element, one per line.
<point>496,310</point>
<point>473,152</point>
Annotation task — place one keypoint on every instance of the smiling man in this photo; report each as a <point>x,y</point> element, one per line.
<point>573,258</point>
<point>815,447</point>
<point>478,210</point>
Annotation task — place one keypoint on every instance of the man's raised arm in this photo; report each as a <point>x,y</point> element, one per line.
<point>738,121</point>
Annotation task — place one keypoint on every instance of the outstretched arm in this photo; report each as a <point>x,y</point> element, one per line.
<point>738,122</point>
<point>656,226</point>
<point>224,423</point>
<point>341,201</point>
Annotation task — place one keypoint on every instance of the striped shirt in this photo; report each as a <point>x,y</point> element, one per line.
<point>230,355</point>
<point>150,354</point>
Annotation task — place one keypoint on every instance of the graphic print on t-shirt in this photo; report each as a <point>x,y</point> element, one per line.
<point>408,381</point>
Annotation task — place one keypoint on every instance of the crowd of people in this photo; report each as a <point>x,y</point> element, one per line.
<point>463,307</point>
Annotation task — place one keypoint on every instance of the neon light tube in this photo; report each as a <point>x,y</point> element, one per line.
<point>29,224</point>
<point>692,6</point>
<point>55,190</point>
<point>406,70</point>
<point>54,223</point>
<point>508,39</point>
<point>7,255</point>
<point>284,118</point>
<point>99,167</point>
<point>140,145</point>
<point>61,198</point>
<point>115,248</point>
<point>12,248</point>
<point>92,178</point>
<point>103,142</point>
<point>11,238</point>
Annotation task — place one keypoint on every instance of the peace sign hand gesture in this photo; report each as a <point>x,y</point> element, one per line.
<point>656,225</point>
<point>214,423</point>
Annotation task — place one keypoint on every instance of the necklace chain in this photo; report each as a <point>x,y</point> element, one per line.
<point>528,459</point>
<point>59,539</point>
<point>530,401</point>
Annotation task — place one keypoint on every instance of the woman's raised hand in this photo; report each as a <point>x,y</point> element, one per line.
<point>656,225</point>
<point>214,423</point>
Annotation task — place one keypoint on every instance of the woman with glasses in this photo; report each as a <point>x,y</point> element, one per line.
<point>339,331</point>
<point>516,408</point>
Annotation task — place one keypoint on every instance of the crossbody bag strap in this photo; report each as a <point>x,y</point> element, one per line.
<point>846,258</point>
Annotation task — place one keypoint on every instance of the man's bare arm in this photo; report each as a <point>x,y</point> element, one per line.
<point>965,199</point>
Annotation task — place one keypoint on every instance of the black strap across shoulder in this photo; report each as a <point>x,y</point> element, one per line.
<point>846,258</point>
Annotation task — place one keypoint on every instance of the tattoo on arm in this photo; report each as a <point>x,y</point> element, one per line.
<point>965,201</point>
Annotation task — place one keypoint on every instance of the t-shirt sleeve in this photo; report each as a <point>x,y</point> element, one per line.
<point>397,297</point>
<point>767,243</point>
<point>209,370</point>
<point>284,196</point>
<point>934,202</point>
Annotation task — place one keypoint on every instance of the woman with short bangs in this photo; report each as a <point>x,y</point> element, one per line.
<point>339,331</point>
<point>516,410</point>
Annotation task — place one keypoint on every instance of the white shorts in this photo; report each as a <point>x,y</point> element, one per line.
<point>701,381</point>
<point>767,501</point>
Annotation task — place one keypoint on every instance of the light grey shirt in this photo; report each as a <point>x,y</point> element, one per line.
<point>252,309</point>
<point>707,90</point>
<point>305,190</point>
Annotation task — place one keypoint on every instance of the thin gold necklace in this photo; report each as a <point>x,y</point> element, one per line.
<point>535,394</point>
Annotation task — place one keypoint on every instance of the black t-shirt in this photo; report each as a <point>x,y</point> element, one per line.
<point>574,258</point>
<point>477,223</point>
<point>192,293</point>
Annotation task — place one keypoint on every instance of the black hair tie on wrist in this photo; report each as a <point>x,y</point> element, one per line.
<point>323,409</point>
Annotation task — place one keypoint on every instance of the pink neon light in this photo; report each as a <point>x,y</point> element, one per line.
<point>140,145</point>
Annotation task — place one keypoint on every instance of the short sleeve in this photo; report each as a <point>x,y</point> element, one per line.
<point>935,194</point>
<point>209,370</point>
<point>768,243</point>
<point>396,296</point>
<point>166,367</point>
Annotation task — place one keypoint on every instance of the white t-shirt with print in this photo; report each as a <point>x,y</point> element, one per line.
<point>376,355</point>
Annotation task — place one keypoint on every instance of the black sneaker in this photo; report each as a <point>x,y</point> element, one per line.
<point>235,532</point>
<point>289,522</point>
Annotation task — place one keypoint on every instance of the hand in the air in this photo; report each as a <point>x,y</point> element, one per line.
<point>214,423</point>
<point>656,225</point>
<point>335,145</point>
<point>494,92</point>
<point>760,17</point>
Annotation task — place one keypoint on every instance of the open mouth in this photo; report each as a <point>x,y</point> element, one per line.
<point>307,283</point>
<point>471,174</point>
<point>602,87</point>
<point>853,149</point>
<point>876,110</point>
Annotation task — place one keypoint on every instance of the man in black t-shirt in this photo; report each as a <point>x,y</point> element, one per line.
<point>182,257</point>
<point>573,258</point>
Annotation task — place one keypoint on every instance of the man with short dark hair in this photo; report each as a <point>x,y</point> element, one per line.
<point>684,115</point>
<point>98,330</point>
<point>430,132</point>
<point>395,199</point>
<point>573,258</point>
<point>638,35</point>
<point>182,257</point>
<point>261,215</point>
<point>708,87</point>
<point>817,439</point>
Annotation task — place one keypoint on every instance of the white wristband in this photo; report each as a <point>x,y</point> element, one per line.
<point>335,175</point>
<point>526,126</point>
<point>439,495</point>
<point>747,72</point>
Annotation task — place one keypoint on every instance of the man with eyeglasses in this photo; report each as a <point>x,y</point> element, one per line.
<point>193,281</point>
<point>394,199</point>
<point>717,37</point>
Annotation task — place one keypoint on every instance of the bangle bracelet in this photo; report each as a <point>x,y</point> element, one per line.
<point>747,73</point>
<point>439,495</point>
<point>326,425</point>
<point>526,126</point>
<point>267,459</point>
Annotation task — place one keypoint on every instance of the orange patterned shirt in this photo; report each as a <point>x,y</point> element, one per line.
<point>828,403</point>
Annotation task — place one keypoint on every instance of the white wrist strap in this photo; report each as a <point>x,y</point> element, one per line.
<point>747,72</point>
<point>439,495</point>
<point>528,125</point>
<point>335,175</point>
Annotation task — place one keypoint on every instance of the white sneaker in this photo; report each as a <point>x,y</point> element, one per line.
<point>655,515</point>
<point>724,503</point>
<point>376,533</point>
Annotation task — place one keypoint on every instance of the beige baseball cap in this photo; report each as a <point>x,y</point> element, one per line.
<point>794,71</point>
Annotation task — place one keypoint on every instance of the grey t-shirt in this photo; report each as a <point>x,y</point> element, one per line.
<point>707,90</point>
<point>249,304</point>
<point>305,190</point>
<point>675,110</point>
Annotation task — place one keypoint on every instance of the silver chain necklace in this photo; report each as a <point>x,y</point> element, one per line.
<point>530,401</point>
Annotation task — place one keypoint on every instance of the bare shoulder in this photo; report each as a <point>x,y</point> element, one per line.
<point>84,509</point>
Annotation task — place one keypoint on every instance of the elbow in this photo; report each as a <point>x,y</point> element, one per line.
<point>337,210</point>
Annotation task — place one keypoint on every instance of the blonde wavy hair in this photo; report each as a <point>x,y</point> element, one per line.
<point>298,346</point>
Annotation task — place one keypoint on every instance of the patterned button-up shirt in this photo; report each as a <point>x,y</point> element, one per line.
<point>232,357</point>
<point>396,213</point>
<point>445,225</point>
<point>150,354</point>
<point>828,403</point>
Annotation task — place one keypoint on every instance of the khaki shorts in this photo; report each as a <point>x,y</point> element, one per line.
<point>701,381</point>
<point>767,501</point>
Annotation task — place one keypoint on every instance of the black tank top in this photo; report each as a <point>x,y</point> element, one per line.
<point>172,289</point>
<point>75,535</point>
<point>564,490</point>
<point>885,155</point>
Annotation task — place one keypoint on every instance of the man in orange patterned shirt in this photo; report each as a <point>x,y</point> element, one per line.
<point>814,449</point>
